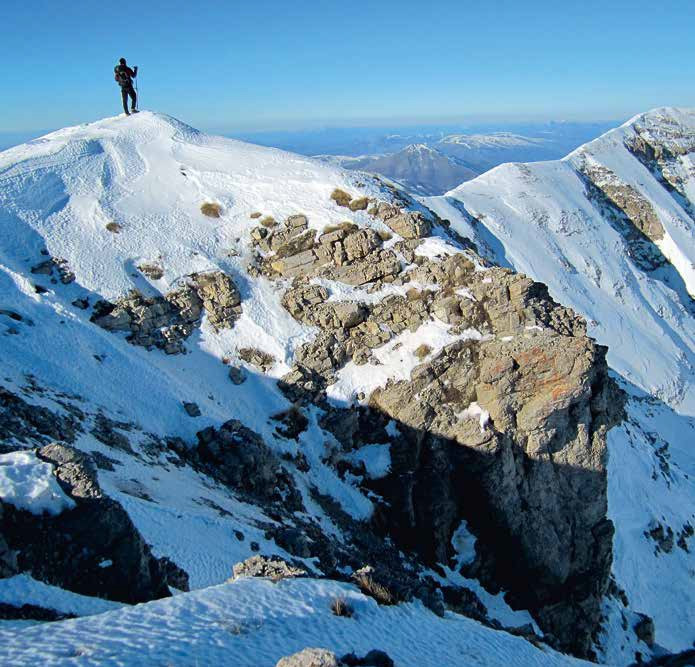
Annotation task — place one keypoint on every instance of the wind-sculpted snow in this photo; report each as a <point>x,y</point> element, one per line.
<point>254,623</point>
<point>610,229</point>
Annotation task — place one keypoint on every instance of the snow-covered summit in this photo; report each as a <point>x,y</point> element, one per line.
<point>149,174</point>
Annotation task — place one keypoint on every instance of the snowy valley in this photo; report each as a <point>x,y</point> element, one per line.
<point>253,402</point>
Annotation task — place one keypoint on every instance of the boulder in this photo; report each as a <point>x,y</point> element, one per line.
<point>310,657</point>
<point>237,375</point>
<point>408,224</point>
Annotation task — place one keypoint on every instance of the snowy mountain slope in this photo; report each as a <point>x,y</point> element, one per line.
<point>58,194</point>
<point>111,209</point>
<point>220,371</point>
<point>610,230</point>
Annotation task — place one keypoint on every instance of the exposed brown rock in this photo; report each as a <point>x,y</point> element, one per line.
<point>165,322</point>
<point>408,224</point>
<point>257,358</point>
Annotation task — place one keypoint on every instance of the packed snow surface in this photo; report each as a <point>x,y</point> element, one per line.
<point>255,622</point>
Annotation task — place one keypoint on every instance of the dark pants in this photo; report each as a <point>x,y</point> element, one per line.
<point>125,91</point>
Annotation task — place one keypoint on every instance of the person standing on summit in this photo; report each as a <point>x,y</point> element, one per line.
<point>124,77</point>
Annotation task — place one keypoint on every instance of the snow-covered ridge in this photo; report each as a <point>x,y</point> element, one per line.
<point>495,140</point>
<point>611,230</point>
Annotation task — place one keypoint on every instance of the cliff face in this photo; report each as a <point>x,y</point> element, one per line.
<point>338,379</point>
<point>504,428</point>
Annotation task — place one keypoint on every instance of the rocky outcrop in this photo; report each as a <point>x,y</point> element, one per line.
<point>626,198</point>
<point>92,549</point>
<point>660,149</point>
<point>408,224</point>
<point>504,428</point>
<point>241,459</point>
<point>166,322</point>
<point>344,253</point>
<point>516,429</point>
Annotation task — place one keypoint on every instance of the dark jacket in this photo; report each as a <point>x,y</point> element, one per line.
<point>124,75</point>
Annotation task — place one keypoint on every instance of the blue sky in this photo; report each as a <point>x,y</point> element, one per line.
<point>253,65</point>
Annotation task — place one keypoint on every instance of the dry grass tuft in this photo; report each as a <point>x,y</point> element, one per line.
<point>359,204</point>
<point>346,226</point>
<point>374,589</point>
<point>341,607</point>
<point>422,351</point>
<point>269,221</point>
<point>341,197</point>
<point>211,210</point>
<point>152,271</point>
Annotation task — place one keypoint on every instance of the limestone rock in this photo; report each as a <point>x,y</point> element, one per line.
<point>533,448</point>
<point>408,224</point>
<point>271,568</point>
<point>165,322</point>
<point>220,297</point>
<point>310,657</point>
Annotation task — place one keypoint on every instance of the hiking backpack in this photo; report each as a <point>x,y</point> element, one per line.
<point>121,76</point>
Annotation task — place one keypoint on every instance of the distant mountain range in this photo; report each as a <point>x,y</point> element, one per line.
<point>420,168</point>
<point>437,164</point>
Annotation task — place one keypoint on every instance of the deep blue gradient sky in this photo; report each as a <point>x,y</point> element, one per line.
<point>263,64</point>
